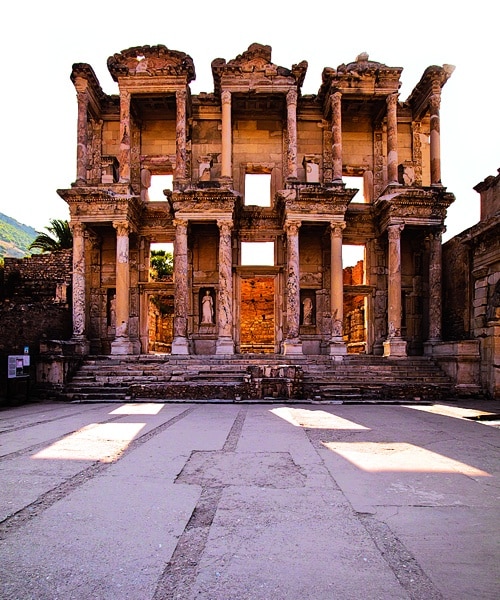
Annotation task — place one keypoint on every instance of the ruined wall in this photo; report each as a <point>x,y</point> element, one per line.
<point>35,304</point>
<point>456,291</point>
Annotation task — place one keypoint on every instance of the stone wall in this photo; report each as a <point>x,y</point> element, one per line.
<point>35,304</point>
<point>457,294</point>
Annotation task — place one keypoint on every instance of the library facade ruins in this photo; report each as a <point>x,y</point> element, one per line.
<point>304,229</point>
<point>257,170</point>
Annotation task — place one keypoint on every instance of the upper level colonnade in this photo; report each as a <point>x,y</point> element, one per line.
<point>153,83</point>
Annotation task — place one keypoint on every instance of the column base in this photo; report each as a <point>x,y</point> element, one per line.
<point>180,346</point>
<point>395,347</point>
<point>81,345</point>
<point>291,347</point>
<point>337,347</point>
<point>122,345</point>
<point>224,346</point>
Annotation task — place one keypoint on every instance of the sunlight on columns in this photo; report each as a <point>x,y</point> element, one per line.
<point>380,457</point>
<point>146,408</point>
<point>104,442</point>
<point>314,419</point>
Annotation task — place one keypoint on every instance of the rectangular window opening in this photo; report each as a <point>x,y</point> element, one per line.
<point>355,183</point>
<point>353,259</point>
<point>158,184</point>
<point>257,253</point>
<point>258,189</point>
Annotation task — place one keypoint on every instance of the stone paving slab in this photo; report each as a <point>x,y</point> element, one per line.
<point>248,502</point>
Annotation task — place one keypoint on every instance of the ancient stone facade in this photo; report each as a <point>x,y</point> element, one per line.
<point>471,284</point>
<point>256,126</point>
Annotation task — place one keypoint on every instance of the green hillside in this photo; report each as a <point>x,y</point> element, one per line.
<point>15,237</point>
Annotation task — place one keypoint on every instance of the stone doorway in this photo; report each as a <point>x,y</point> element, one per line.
<point>257,315</point>
<point>355,329</point>
<point>160,323</point>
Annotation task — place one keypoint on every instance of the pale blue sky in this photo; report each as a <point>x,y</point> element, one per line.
<point>42,40</point>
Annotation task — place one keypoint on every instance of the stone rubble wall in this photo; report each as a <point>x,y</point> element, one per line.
<point>35,304</point>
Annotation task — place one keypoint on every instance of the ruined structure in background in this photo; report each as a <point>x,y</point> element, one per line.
<point>471,285</point>
<point>351,166</point>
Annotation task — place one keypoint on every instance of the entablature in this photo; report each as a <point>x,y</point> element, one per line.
<point>413,206</point>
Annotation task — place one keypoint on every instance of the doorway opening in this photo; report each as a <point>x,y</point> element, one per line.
<point>355,299</point>
<point>160,323</point>
<point>257,315</point>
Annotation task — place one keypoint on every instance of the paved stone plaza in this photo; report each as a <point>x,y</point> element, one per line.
<point>251,501</point>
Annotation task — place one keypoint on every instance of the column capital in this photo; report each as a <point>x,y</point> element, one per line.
<point>178,223</point>
<point>122,227</point>
<point>435,103</point>
<point>291,96</point>
<point>394,230</point>
<point>181,94</point>
<point>292,227</point>
<point>225,225</point>
<point>78,229</point>
<point>436,234</point>
<point>336,228</point>
<point>392,99</point>
<point>225,97</point>
<point>336,96</point>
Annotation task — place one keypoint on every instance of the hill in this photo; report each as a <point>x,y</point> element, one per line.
<point>15,237</point>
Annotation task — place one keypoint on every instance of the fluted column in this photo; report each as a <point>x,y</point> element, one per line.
<point>121,344</point>
<point>291,106</point>
<point>226,170</point>
<point>394,345</point>
<point>180,135</point>
<point>435,296</point>
<point>337,344</point>
<point>125,152</point>
<point>79,333</point>
<point>435,139</point>
<point>225,344</point>
<point>336,103</point>
<point>292,343</point>
<point>82,134</point>
<point>180,341</point>
<point>392,138</point>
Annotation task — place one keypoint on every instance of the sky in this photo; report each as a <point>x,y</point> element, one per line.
<point>42,40</point>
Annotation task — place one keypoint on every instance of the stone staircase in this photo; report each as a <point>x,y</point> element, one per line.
<point>258,378</point>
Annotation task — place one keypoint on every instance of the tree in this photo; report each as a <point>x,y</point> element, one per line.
<point>162,264</point>
<point>59,237</point>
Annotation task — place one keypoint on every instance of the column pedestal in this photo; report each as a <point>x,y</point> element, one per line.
<point>180,346</point>
<point>224,346</point>
<point>395,348</point>
<point>291,347</point>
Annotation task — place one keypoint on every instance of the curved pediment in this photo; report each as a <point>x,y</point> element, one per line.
<point>153,61</point>
<point>253,68</point>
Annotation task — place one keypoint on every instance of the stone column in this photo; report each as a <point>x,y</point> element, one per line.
<point>227,170</point>
<point>292,343</point>
<point>291,107</point>
<point>394,345</point>
<point>180,136</point>
<point>121,344</point>
<point>125,153</point>
<point>392,139</point>
<point>337,344</point>
<point>435,296</point>
<point>79,329</point>
<point>180,341</point>
<point>335,100</point>
<point>225,344</point>
<point>82,135</point>
<point>435,141</point>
